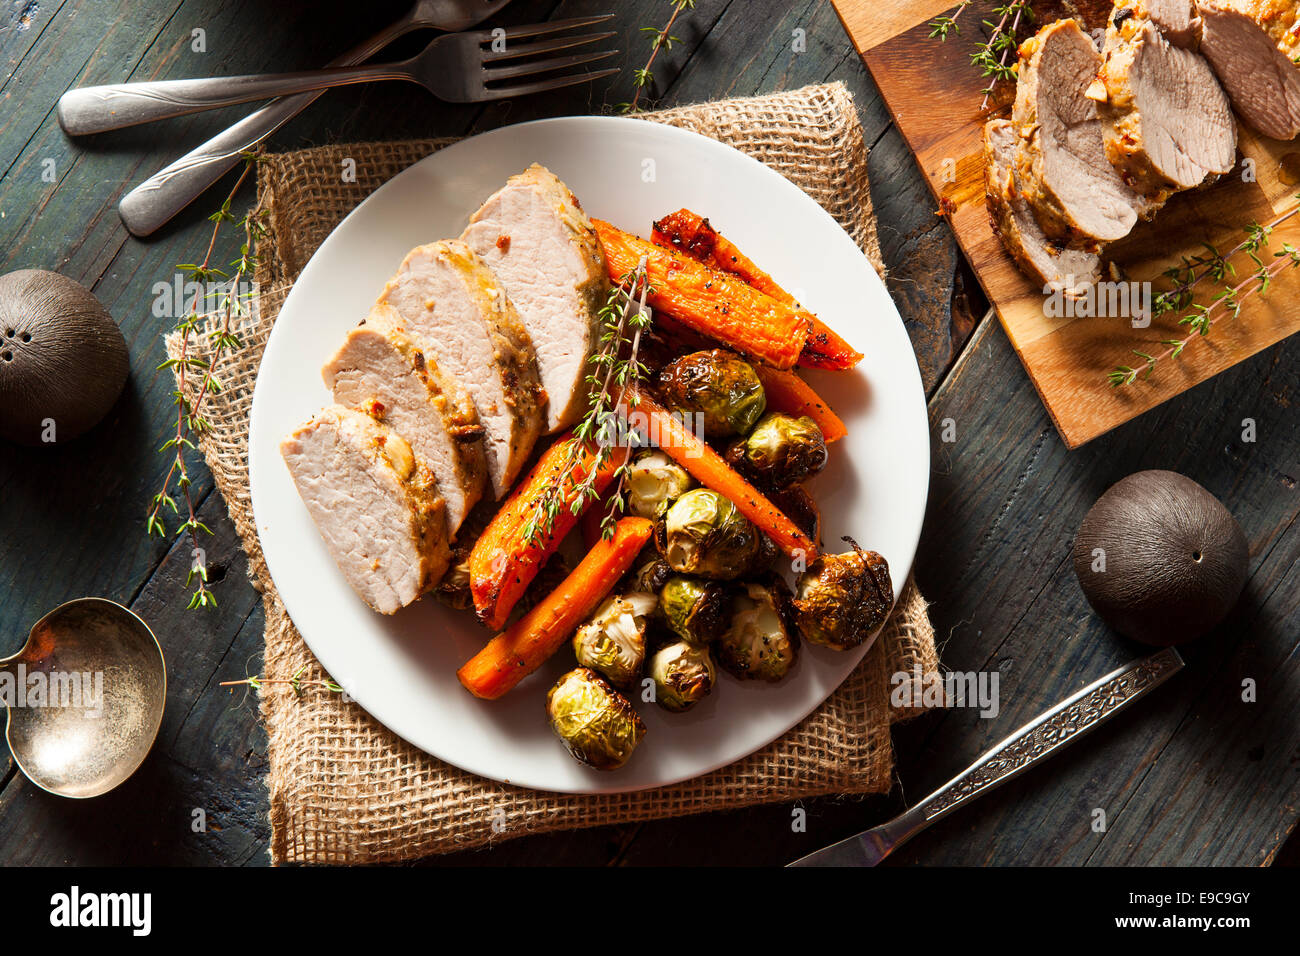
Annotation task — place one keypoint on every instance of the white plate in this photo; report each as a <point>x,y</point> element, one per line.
<point>402,669</point>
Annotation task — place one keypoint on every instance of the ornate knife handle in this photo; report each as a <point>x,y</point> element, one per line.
<point>1047,733</point>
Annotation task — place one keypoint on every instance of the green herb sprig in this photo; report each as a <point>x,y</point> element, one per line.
<point>1199,318</point>
<point>228,301</point>
<point>615,368</point>
<point>660,39</point>
<point>991,55</point>
<point>296,682</point>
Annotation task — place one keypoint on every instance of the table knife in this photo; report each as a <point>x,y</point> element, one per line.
<point>1034,742</point>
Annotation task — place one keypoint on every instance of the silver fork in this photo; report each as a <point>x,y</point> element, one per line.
<point>455,67</point>
<point>160,197</point>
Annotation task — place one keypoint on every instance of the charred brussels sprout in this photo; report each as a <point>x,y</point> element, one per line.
<point>800,507</point>
<point>780,452</point>
<point>703,533</point>
<point>683,675</point>
<point>760,642</point>
<point>596,722</point>
<point>612,643</point>
<point>651,573</point>
<point>693,608</point>
<point>655,481</point>
<point>842,598</point>
<point>722,389</point>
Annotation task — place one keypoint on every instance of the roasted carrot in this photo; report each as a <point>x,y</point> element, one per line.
<point>695,236</point>
<point>504,561</point>
<point>712,303</point>
<point>788,393</point>
<point>511,656</point>
<point>657,425</point>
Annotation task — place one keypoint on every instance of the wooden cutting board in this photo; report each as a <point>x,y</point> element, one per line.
<point>934,95</point>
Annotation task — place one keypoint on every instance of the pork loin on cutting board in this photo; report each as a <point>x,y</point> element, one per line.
<point>381,371</point>
<point>539,242</point>
<point>1077,196</point>
<point>376,508</point>
<point>1166,121</point>
<point>457,313</point>
<point>1251,44</point>
<point>1070,270</point>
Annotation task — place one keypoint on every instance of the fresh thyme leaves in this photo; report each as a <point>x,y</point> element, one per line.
<point>660,39</point>
<point>991,55</point>
<point>296,682</point>
<point>1199,318</point>
<point>615,367</point>
<point>218,293</point>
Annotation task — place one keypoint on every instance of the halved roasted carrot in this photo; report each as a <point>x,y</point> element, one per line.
<point>694,235</point>
<point>788,393</point>
<point>660,427</point>
<point>504,560</point>
<point>511,656</point>
<point>712,303</point>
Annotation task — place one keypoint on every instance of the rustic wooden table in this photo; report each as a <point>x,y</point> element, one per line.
<point>1193,775</point>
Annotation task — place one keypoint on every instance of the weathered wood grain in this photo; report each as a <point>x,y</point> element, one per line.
<point>1177,778</point>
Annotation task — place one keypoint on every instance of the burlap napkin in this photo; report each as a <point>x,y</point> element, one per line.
<point>345,790</point>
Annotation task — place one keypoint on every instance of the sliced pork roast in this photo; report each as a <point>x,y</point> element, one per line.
<point>1251,44</point>
<point>454,309</point>
<point>376,507</point>
<point>1166,121</point>
<point>1070,270</point>
<point>381,371</point>
<point>1061,166</point>
<point>539,242</point>
<point>1176,19</point>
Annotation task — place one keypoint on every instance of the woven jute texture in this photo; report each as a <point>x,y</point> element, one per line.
<point>343,789</point>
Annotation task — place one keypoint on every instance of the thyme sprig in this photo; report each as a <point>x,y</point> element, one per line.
<point>1199,318</point>
<point>991,55</point>
<point>660,39</point>
<point>218,293</point>
<point>299,685</point>
<point>615,368</point>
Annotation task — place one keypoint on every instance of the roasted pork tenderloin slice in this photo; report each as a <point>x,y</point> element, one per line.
<point>1077,196</point>
<point>1252,45</point>
<point>533,234</point>
<point>376,508</point>
<point>380,370</point>
<point>457,313</point>
<point>1177,20</point>
<point>1166,121</point>
<point>1069,270</point>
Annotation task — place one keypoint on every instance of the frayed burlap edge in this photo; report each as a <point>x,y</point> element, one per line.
<point>343,789</point>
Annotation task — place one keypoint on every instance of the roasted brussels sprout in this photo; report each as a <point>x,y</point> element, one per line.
<point>719,387</point>
<point>651,572</point>
<point>597,724</point>
<point>780,452</point>
<point>655,481</point>
<point>693,608</point>
<point>683,675</point>
<point>842,598</point>
<point>703,533</point>
<point>760,641</point>
<point>612,643</point>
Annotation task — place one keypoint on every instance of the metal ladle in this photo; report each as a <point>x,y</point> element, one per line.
<point>102,683</point>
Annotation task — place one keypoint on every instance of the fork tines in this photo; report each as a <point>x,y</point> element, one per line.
<point>517,70</point>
